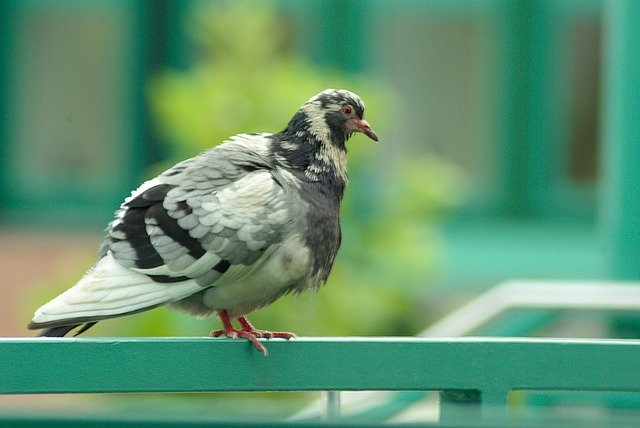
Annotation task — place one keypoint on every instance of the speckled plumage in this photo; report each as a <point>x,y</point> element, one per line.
<point>230,230</point>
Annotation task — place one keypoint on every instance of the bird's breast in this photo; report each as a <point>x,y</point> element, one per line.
<point>285,268</point>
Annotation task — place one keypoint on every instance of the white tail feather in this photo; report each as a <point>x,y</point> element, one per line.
<point>110,289</point>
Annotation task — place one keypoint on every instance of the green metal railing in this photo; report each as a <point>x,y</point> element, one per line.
<point>474,375</point>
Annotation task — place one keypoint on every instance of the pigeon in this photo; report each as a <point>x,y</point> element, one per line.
<point>226,232</point>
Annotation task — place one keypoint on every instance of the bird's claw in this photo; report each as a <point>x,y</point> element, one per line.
<point>247,331</point>
<point>249,328</point>
<point>231,334</point>
<point>252,336</point>
<point>272,334</point>
<point>235,334</point>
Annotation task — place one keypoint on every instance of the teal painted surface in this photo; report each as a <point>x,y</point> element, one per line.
<point>474,375</point>
<point>5,56</point>
<point>338,33</point>
<point>536,104</point>
<point>518,86</point>
<point>524,322</point>
<point>481,254</point>
<point>621,139</point>
<point>56,421</point>
<point>490,365</point>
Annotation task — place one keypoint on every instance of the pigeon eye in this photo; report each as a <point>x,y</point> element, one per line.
<point>347,110</point>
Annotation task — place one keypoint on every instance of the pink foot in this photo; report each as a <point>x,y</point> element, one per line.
<point>249,328</point>
<point>248,331</point>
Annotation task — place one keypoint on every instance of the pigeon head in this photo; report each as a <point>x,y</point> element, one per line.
<point>336,114</point>
<point>314,139</point>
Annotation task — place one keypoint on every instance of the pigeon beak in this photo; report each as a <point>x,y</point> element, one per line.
<point>363,126</point>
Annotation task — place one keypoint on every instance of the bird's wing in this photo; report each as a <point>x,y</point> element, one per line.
<point>221,209</point>
<point>180,233</point>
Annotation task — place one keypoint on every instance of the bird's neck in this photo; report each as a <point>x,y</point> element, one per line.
<point>310,147</point>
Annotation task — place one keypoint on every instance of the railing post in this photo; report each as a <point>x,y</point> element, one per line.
<point>620,199</point>
<point>457,406</point>
<point>620,207</point>
<point>472,405</point>
<point>330,406</point>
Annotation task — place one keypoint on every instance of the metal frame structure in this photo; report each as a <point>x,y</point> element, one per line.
<point>474,375</point>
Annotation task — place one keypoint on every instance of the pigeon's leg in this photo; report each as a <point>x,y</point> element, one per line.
<point>231,332</point>
<point>249,328</point>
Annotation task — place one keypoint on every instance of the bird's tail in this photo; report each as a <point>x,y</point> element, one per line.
<point>108,290</point>
<point>64,329</point>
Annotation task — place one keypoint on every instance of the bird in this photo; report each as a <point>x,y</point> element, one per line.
<point>226,232</point>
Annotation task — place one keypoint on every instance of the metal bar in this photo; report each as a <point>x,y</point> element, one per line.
<point>532,102</point>
<point>543,299</point>
<point>550,295</point>
<point>330,406</point>
<point>43,365</point>
<point>620,208</point>
<point>459,406</point>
